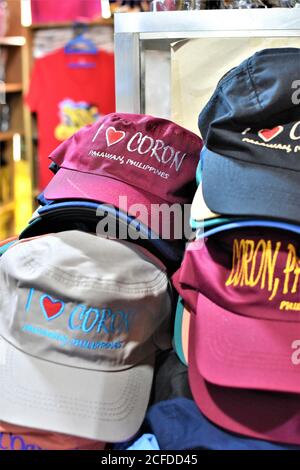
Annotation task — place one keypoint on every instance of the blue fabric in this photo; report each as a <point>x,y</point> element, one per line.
<point>250,223</point>
<point>5,247</point>
<point>145,442</point>
<point>178,424</point>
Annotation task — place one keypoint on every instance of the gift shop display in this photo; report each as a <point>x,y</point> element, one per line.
<point>149,290</point>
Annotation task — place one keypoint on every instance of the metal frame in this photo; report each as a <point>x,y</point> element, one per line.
<point>136,32</point>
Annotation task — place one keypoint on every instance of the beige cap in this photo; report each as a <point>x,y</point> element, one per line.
<point>81,319</point>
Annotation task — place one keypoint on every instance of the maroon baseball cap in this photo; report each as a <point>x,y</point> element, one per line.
<point>147,159</point>
<point>244,341</point>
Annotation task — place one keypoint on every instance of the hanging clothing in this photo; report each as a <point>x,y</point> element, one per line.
<point>67,97</point>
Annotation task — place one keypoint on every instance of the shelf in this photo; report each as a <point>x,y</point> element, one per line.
<point>12,41</point>
<point>70,24</point>
<point>271,22</point>
<point>13,87</point>
<point>7,207</point>
<point>6,136</point>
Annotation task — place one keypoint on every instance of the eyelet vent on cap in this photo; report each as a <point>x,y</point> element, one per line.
<point>115,118</point>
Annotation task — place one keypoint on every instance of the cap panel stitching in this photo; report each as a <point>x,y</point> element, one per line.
<point>159,281</point>
<point>250,72</point>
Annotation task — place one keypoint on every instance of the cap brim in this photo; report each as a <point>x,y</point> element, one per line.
<point>60,217</point>
<point>199,209</point>
<point>262,415</point>
<point>233,350</point>
<point>233,187</point>
<point>80,208</point>
<point>71,184</point>
<point>181,331</point>
<point>236,224</point>
<point>106,406</point>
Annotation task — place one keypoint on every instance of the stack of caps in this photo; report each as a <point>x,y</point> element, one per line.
<point>83,312</point>
<point>238,322</point>
<point>122,177</point>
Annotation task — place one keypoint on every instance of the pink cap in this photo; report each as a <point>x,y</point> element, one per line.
<point>147,159</point>
<point>263,415</point>
<point>248,307</point>
<point>244,339</point>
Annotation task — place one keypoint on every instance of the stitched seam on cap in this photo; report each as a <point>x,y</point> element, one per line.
<point>85,368</point>
<point>204,110</point>
<point>128,398</point>
<point>109,285</point>
<point>249,69</point>
<point>216,94</point>
<point>56,273</point>
<point>229,78</point>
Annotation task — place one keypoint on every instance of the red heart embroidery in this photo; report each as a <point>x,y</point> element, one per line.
<point>269,134</point>
<point>113,136</point>
<point>52,307</point>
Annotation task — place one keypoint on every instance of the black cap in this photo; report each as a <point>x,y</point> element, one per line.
<point>251,128</point>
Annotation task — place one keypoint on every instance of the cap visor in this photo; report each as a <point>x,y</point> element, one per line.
<point>106,406</point>
<point>263,415</point>
<point>233,187</point>
<point>237,351</point>
<point>71,184</point>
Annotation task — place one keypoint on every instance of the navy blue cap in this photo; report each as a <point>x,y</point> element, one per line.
<point>85,216</point>
<point>251,128</point>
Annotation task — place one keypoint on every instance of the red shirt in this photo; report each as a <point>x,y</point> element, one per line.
<point>66,98</point>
